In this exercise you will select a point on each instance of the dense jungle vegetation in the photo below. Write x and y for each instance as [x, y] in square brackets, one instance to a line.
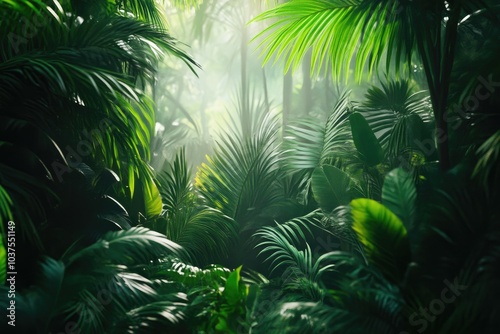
[339, 173]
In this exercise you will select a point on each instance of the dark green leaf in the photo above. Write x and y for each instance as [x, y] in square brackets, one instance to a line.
[365, 141]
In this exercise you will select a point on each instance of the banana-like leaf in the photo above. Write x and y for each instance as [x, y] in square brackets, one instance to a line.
[234, 289]
[384, 237]
[152, 199]
[365, 140]
[399, 195]
[332, 187]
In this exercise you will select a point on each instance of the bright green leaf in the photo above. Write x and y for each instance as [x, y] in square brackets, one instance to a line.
[384, 237]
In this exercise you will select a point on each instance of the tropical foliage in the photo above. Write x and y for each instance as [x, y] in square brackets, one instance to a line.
[375, 211]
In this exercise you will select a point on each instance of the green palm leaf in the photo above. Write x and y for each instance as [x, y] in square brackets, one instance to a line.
[26, 156]
[397, 115]
[239, 179]
[309, 143]
[335, 30]
[103, 288]
[154, 316]
[117, 247]
[146, 10]
[85, 77]
[332, 187]
[303, 269]
[38, 303]
[487, 169]
[112, 269]
[399, 196]
[206, 233]
[384, 237]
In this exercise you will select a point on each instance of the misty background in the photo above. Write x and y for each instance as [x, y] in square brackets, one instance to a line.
[232, 86]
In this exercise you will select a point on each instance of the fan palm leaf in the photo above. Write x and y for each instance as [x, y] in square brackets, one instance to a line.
[369, 31]
[362, 301]
[397, 116]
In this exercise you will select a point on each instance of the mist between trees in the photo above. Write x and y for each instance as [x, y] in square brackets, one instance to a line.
[302, 166]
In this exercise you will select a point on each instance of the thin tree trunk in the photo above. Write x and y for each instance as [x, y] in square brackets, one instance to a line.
[438, 64]
[266, 93]
[287, 98]
[306, 90]
[245, 117]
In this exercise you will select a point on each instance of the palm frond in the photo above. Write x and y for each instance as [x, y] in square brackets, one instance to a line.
[84, 73]
[361, 301]
[399, 195]
[399, 117]
[116, 247]
[303, 268]
[146, 10]
[239, 179]
[336, 31]
[309, 143]
[185, 4]
[206, 233]
[487, 169]
[106, 286]
[26, 160]
[154, 316]
[360, 312]
[38, 303]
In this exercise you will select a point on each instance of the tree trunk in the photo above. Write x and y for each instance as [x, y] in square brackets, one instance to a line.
[306, 90]
[287, 98]
[245, 116]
